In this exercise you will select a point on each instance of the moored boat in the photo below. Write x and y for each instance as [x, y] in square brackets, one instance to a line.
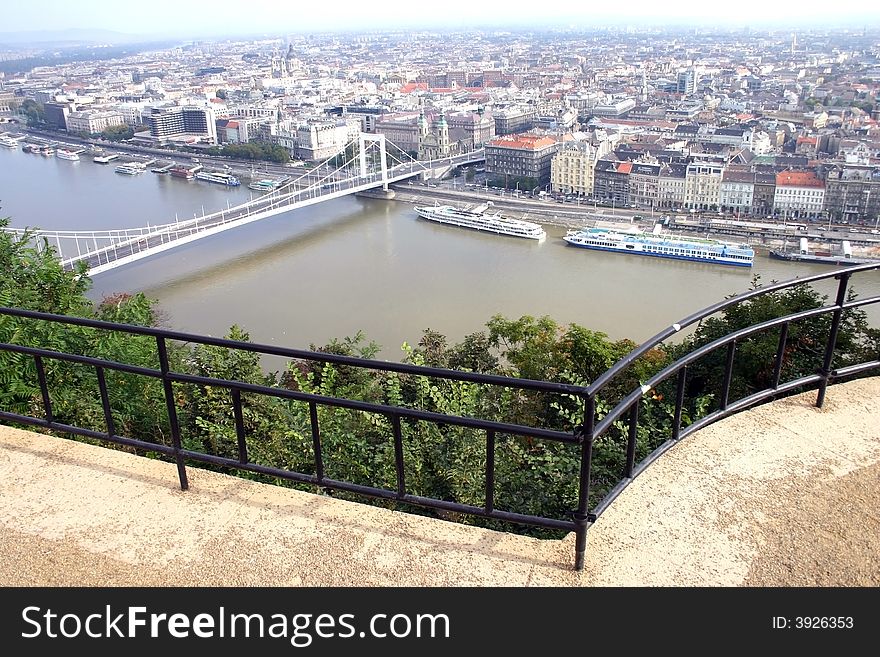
[131, 168]
[844, 258]
[218, 177]
[657, 245]
[479, 219]
[265, 185]
[187, 173]
[64, 154]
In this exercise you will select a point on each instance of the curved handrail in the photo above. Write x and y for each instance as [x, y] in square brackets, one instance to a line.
[607, 376]
[592, 430]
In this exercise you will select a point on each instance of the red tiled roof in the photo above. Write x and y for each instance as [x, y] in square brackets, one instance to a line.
[798, 179]
[409, 87]
[524, 142]
[624, 167]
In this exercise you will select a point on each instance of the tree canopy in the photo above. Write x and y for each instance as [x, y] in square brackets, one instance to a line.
[443, 461]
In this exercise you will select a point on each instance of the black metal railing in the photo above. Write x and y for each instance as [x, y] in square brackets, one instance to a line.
[582, 437]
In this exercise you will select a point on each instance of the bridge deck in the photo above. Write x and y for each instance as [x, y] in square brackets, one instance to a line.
[107, 249]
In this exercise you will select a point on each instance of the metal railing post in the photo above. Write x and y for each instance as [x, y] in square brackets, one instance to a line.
[679, 403]
[239, 426]
[316, 441]
[780, 355]
[172, 412]
[582, 516]
[398, 455]
[44, 390]
[490, 471]
[825, 372]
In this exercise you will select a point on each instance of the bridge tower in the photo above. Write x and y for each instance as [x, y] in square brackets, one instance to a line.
[363, 138]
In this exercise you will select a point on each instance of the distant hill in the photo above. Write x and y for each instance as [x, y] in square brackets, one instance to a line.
[69, 37]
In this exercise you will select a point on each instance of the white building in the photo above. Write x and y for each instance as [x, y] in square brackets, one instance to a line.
[759, 143]
[93, 121]
[133, 113]
[671, 185]
[798, 194]
[737, 191]
[702, 185]
[319, 140]
[183, 122]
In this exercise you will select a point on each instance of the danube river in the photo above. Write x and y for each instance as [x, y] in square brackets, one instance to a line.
[355, 264]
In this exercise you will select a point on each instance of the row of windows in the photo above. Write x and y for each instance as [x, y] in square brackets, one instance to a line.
[798, 192]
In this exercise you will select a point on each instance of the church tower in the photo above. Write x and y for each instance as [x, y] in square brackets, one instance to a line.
[443, 136]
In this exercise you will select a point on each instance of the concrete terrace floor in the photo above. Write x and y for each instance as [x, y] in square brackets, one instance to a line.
[784, 495]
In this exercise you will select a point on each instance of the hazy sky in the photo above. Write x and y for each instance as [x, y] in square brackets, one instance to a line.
[176, 17]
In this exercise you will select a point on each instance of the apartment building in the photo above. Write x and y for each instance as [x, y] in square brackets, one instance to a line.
[524, 155]
[737, 191]
[167, 123]
[852, 193]
[572, 168]
[514, 120]
[478, 127]
[401, 129]
[799, 194]
[611, 182]
[319, 140]
[702, 185]
[93, 121]
[644, 185]
[670, 185]
[763, 192]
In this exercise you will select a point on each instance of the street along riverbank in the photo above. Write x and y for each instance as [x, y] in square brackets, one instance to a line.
[571, 215]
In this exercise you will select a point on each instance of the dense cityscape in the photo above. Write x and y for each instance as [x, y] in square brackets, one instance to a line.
[756, 123]
[336, 266]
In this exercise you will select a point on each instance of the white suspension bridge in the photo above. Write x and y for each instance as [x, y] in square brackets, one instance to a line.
[367, 167]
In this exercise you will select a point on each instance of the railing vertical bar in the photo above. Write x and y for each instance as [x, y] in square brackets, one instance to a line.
[239, 425]
[679, 402]
[728, 374]
[631, 440]
[490, 470]
[105, 401]
[398, 455]
[581, 515]
[172, 411]
[780, 355]
[832, 338]
[44, 389]
[316, 441]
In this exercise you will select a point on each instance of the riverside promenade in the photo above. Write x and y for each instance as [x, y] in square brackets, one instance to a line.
[783, 495]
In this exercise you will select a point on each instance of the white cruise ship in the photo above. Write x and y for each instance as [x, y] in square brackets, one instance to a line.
[662, 246]
[131, 168]
[218, 177]
[65, 154]
[479, 219]
[265, 185]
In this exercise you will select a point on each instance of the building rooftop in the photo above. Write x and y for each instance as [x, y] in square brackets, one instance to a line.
[783, 495]
[523, 142]
[798, 179]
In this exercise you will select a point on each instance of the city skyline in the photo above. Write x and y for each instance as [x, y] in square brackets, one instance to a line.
[221, 18]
